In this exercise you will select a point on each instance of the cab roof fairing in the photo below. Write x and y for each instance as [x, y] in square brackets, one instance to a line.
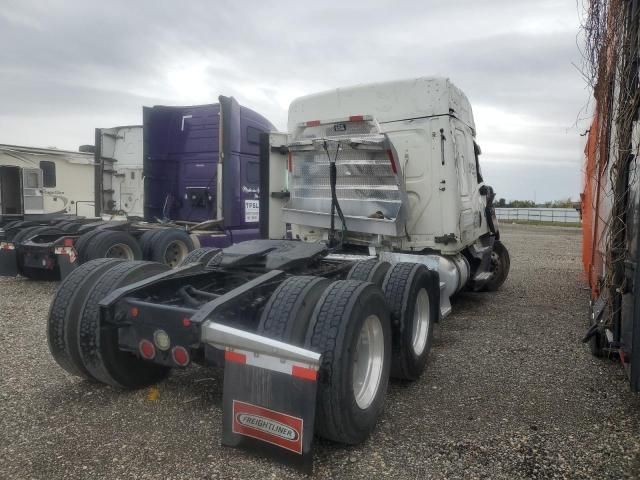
[386, 101]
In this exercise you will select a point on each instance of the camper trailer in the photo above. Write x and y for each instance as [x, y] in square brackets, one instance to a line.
[38, 181]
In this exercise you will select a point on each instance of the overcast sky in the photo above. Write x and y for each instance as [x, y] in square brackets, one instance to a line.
[67, 67]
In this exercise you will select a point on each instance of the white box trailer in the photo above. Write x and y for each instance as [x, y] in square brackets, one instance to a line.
[375, 213]
[118, 152]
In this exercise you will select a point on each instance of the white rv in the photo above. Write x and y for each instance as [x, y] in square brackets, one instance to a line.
[38, 181]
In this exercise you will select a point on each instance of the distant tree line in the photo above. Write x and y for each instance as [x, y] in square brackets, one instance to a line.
[564, 203]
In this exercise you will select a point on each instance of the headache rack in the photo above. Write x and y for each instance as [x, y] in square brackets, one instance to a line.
[369, 186]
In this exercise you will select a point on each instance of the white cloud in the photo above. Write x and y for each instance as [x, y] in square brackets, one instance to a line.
[75, 66]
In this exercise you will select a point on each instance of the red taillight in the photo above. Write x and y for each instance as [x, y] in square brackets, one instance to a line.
[290, 162]
[393, 162]
[134, 312]
[186, 322]
[147, 350]
[313, 123]
[180, 356]
[67, 242]
[356, 118]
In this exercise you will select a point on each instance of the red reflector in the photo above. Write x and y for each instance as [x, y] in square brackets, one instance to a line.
[186, 322]
[290, 162]
[180, 356]
[147, 350]
[393, 162]
[230, 356]
[356, 118]
[306, 373]
[134, 312]
[313, 123]
[68, 242]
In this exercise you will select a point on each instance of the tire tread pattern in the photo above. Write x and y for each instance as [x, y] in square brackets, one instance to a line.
[57, 323]
[89, 331]
[283, 305]
[198, 255]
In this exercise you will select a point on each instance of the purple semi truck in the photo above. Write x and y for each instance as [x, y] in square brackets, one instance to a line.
[200, 182]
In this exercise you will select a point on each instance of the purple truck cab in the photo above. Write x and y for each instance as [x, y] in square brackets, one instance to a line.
[202, 163]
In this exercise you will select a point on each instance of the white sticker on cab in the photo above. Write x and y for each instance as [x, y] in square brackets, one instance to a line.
[251, 210]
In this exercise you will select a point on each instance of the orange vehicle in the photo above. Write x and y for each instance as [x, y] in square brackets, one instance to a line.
[610, 248]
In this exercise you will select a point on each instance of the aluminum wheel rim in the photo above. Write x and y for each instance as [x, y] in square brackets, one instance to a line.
[175, 252]
[368, 360]
[120, 250]
[421, 320]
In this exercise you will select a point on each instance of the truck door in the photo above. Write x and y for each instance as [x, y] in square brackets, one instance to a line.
[464, 158]
[10, 191]
[228, 190]
[32, 190]
[180, 162]
[239, 166]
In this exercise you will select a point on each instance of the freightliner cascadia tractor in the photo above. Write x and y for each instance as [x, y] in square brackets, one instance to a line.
[373, 212]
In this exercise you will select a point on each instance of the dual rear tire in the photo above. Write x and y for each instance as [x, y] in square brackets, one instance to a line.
[77, 339]
[167, 246]
[366, 332]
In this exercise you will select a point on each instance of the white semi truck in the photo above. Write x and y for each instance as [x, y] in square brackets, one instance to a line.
[375, 213]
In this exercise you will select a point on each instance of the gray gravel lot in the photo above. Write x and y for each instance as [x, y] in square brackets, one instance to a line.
[509, 393]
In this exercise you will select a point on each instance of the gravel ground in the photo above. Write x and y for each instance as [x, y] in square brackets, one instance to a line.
[509, 393]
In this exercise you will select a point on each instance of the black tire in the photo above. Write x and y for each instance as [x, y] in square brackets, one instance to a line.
[12, 224]
[64, 312]
[83, 242]
[370, 270]
[199, 255]
[334, 331]
[406, 287]
[170, 246]
[98, 346]
[145, 242]
[69, 227]
[28, 233]
[288, 311]
[215, 261]
[500, 266]
[113, 244]
[17, 228]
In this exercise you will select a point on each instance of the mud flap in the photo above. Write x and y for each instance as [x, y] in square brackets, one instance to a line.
[66, 265]
[267, 411]
[8, 260]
